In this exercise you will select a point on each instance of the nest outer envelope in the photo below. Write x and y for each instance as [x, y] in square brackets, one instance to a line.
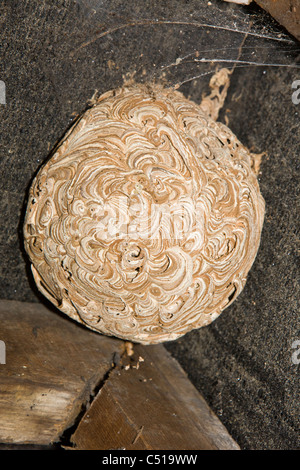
[147, 218]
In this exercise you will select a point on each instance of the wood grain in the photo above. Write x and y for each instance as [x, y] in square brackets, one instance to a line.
[286, 13]
[149, 403]
[63, 384]
[52, 368]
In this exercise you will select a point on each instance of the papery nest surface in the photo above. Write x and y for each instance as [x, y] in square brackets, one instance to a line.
[145, 221]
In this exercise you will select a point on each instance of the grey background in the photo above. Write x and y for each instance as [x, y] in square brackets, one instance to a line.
[56, 54]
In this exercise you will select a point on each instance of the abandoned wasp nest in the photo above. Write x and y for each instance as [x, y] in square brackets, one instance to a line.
[147, 218]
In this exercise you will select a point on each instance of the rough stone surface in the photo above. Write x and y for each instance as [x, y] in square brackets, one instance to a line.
[55, 55]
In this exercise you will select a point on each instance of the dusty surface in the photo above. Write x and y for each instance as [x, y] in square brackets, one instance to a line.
[54, 57]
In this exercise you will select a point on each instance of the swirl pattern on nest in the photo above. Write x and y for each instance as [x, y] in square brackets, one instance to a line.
[147, 218]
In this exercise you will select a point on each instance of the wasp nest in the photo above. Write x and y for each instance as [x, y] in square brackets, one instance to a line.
[147, 218]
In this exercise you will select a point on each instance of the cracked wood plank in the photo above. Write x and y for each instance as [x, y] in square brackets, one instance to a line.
[147, 402]
[53, 367]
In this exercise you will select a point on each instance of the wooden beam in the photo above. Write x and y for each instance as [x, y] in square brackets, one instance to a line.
[287, 13]
[149, 403]
[63, 384]
[52, 369]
